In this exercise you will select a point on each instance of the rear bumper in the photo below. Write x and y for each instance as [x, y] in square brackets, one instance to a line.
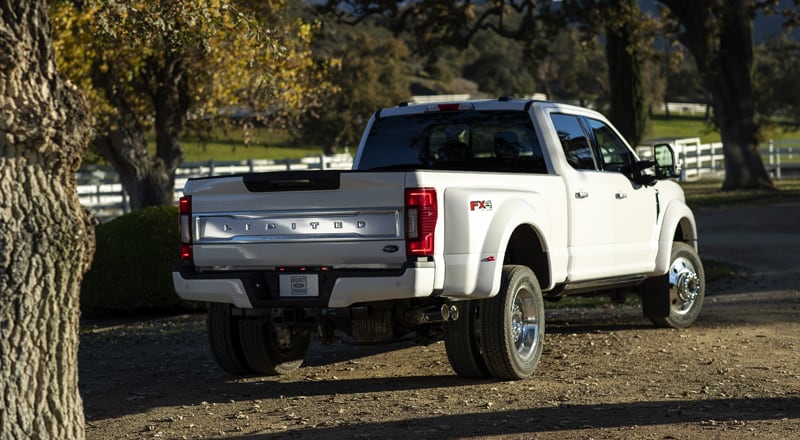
[337, 288]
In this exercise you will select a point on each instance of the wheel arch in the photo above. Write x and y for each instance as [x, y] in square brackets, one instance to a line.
[527, 247]
[678, 225]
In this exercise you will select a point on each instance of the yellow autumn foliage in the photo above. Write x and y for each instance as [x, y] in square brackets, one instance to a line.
[235, 58]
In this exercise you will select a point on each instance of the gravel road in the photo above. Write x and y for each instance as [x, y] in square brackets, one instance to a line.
[763, 240]
[606, 373]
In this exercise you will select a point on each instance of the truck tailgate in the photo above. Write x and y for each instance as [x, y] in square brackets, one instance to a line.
[294, 219]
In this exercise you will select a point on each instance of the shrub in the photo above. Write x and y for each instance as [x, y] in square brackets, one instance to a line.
[132, 268]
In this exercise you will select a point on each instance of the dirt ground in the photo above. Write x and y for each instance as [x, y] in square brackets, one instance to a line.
[605, 373]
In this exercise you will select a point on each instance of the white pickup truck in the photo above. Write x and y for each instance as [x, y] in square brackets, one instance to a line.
[457, 219]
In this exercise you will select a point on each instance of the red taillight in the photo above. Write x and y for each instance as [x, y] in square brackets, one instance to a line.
[421, 216]
[185, 227]
[186, 252]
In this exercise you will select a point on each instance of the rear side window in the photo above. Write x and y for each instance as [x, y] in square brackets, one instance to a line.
[470, 140]
[590, 144]
[574, 141]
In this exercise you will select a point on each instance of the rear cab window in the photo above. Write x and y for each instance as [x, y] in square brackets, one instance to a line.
[471, 140]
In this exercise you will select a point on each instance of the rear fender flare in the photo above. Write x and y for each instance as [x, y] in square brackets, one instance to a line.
[512, 215]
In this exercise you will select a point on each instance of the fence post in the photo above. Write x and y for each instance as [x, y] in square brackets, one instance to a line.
[288, 164]
[250, 164]
[125, 204]
[211, 167]
[322, 162]
[683, 163]
[771, 152]
[778, 166]
[698, 154]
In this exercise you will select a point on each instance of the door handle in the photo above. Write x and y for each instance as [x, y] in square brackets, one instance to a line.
[581, 195]
[621, 196]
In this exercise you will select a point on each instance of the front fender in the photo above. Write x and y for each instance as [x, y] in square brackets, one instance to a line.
[677, 215]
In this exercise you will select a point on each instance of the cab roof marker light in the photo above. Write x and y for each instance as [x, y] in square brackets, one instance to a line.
[450, 107]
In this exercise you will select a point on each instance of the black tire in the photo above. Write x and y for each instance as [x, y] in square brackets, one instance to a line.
[272, 350]
[513, 325]
[462, 341]
[223, 336]
[676, 298]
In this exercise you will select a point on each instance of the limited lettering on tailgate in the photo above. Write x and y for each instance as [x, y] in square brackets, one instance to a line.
[256, 227]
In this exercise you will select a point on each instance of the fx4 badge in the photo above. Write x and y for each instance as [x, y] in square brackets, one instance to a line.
[480, 205]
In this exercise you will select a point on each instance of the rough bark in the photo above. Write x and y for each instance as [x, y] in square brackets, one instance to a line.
[46, 238]
[719, 35]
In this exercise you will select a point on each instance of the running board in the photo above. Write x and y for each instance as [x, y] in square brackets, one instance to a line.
[603, 284]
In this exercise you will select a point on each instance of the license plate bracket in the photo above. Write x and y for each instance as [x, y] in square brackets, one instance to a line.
[299, 285]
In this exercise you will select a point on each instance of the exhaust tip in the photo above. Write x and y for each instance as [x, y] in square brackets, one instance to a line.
[454, 314]
[445, 311]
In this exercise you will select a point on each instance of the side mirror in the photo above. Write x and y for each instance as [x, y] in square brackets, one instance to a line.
[641, 176]
[664, 157]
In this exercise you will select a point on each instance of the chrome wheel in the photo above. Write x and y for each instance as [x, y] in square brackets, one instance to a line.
[684, 285]
[524, 323]
[676, 298]
[512, 325]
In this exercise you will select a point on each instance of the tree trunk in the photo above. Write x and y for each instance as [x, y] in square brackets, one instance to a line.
[46, 237]
[719, 34]
[625, 83]
[734, 104]
[143, 176]
[171, 104]
[148, 179]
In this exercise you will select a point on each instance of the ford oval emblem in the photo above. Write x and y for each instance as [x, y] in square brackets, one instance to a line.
[390, 248]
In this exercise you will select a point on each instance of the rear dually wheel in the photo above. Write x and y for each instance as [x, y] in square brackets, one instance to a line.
[223, 337]
[513, 325]
[273, 349]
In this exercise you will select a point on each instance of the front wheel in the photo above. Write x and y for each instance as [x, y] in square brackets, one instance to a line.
[675, 299]
[513, 325]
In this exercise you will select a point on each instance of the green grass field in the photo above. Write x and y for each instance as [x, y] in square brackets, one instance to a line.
[223, 145]
[679, 127]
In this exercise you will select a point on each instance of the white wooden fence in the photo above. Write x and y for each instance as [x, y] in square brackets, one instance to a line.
[100, 190]
[696, 160]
